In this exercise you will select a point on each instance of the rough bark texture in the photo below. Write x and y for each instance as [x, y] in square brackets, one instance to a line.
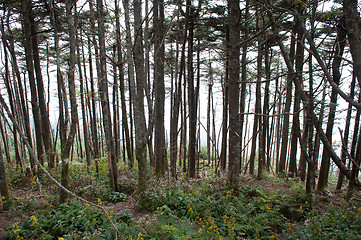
[65, 151]
[4, 190]
[122, 91]
[233, 103]
[159, 131]
[296, 105]
[139, 116]
[286, 111]
[26, 8]
[104, 97]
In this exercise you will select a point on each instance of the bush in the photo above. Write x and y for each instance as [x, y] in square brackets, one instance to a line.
[71, 221]
[337, 223]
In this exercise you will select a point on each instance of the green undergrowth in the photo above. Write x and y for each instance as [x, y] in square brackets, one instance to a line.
[183, 209]
[73, 220]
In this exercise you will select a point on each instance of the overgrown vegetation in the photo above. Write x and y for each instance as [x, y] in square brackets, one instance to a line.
[198, 209]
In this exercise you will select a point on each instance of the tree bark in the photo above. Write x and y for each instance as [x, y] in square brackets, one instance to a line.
[44, 114]
[26, 8]
[65, 151]
[122, 90]
[159, 131]
[325, 163]
[233, 101]
[4, 190]
[139, 115]
[286, 110]
[104, 97]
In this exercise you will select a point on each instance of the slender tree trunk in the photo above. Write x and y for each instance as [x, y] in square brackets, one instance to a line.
[139, 115]
[122, 91]
[24, 107]
[11, 97]
[192, 105]
[65, 151]
[5, 140]
[94, 127]
[4, 190]
[159, 131]
[266, 108]
[295, 132]
[83, 107]
[93, 108]
[116, 116]
[44, 114]
[352, 28]
[286, 111]
[31, 77]
[233, 101]
[225, 91]
[346, 133]
[104, 96]
[325, 163]
[130, 63]
[244, 80]
[210, 84]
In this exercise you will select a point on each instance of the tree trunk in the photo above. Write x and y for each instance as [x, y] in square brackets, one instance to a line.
[225, 90]
[104, 97]
[44, 114]
[346, 133]
[295, 132]
[243, 82]
[122, 91]
[233, 101]
[286, 110]
[65, 151]
[14, 110]
[83, 109]
[258, 107]
[325, 163]
[24, 106]
[4, 190]
[139, 116]
[159, 131]
[31, 77]
[131, 79]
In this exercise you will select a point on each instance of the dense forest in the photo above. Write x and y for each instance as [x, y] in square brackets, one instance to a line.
[159, 119]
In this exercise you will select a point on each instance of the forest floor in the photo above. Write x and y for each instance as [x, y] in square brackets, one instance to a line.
[271, 208]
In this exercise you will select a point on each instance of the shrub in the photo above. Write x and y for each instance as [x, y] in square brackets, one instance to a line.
[337, 223]
[71, 221]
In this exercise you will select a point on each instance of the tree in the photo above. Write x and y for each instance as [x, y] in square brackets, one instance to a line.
[325, 163]
[26, 12]
[139, 116]
[67, 145]
[159, 134]
[192, 105]
[104, 97]
[4, 190]
[233, 102]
